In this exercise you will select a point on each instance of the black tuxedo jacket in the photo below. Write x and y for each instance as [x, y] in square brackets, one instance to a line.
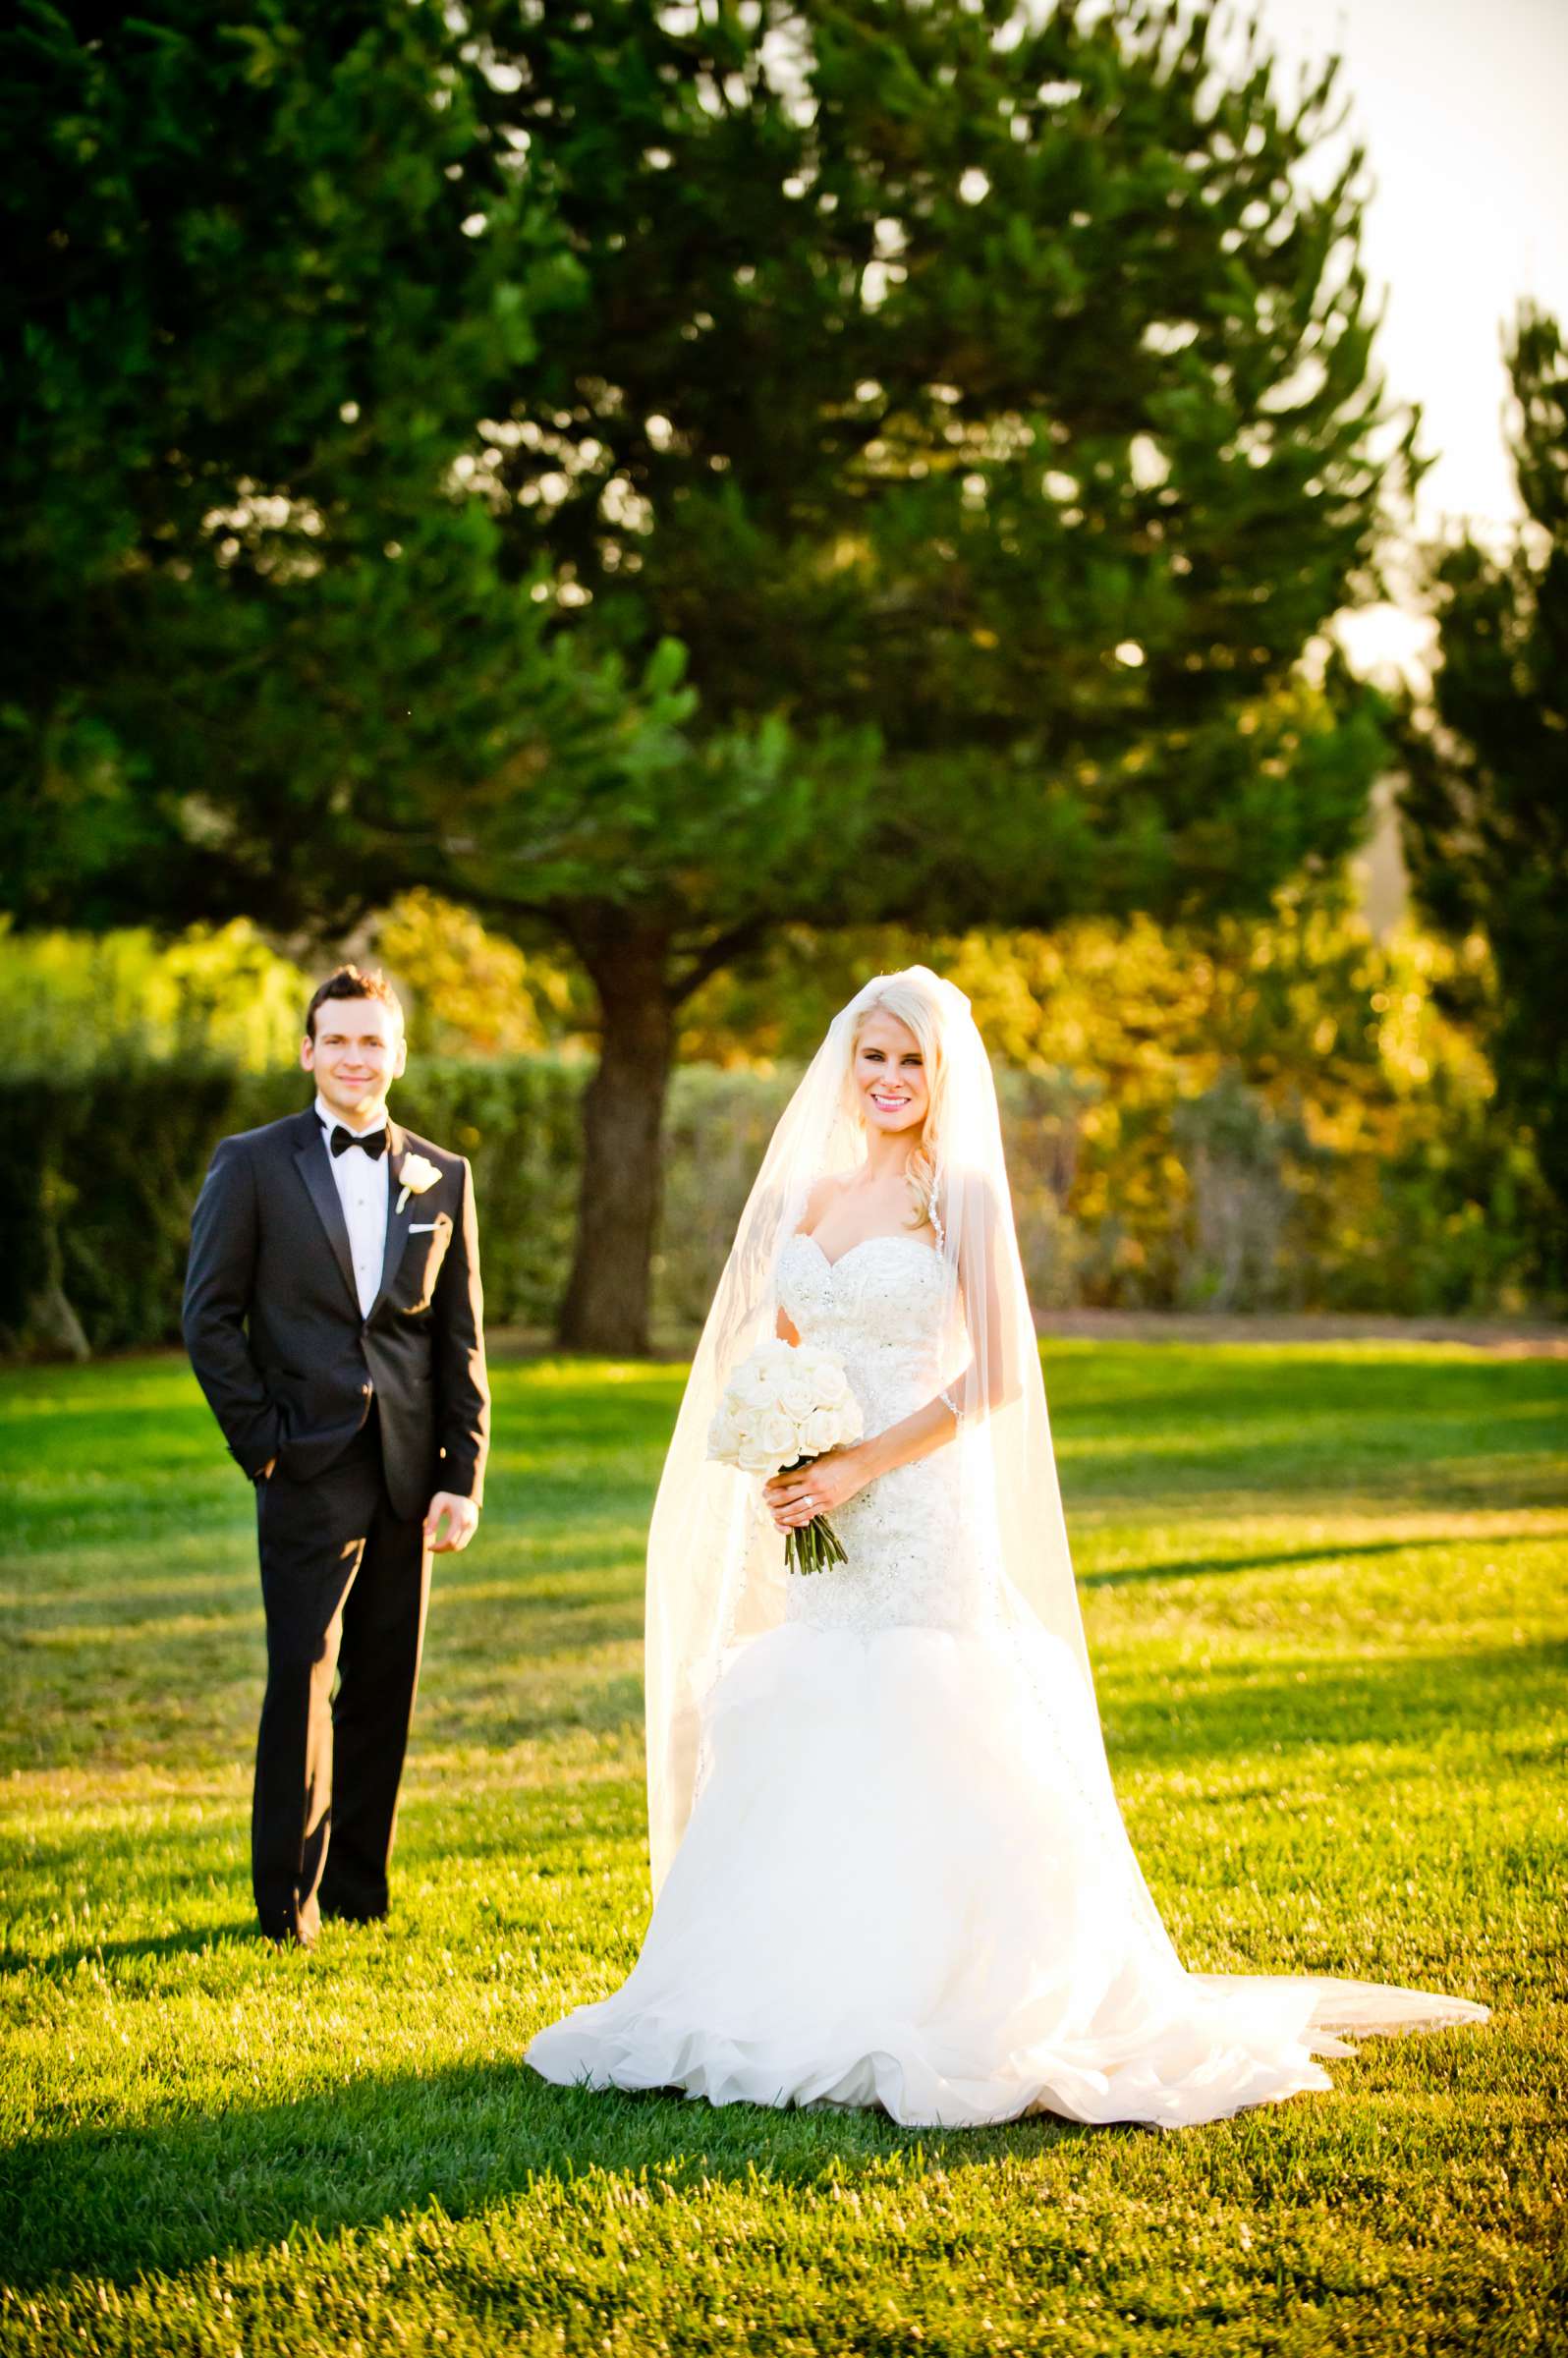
[273, 1326]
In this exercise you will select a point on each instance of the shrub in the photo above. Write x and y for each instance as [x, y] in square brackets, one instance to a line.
[1235, 1196]
[95, 1225]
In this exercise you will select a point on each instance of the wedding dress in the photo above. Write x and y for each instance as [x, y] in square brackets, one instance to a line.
[889, 1864]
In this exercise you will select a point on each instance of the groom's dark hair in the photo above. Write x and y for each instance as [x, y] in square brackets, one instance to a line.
[353, 983]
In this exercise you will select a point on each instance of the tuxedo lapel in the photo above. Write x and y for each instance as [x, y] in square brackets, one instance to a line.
[311, 1160]
[397, 1222]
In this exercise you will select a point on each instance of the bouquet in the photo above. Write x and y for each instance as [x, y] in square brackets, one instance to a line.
[781, 1408]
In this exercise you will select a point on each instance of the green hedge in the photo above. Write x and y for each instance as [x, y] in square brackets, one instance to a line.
[96, 1220]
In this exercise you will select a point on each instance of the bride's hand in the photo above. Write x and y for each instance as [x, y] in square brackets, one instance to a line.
[816, 1489]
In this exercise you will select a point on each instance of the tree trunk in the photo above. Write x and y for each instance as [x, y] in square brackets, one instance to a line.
[606, 1305]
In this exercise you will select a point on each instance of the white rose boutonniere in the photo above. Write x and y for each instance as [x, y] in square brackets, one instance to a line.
[414, 1177]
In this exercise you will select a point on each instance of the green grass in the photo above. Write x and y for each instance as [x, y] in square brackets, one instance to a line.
[1324, 1590]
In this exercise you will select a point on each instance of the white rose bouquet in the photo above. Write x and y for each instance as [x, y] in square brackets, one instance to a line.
[782, 1407]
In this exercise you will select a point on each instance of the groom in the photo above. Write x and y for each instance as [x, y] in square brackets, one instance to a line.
[334, 1320]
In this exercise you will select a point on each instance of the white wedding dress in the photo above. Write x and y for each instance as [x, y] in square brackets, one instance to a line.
[896, 1887]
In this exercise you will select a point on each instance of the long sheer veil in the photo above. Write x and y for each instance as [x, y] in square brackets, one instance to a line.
[715, 1565]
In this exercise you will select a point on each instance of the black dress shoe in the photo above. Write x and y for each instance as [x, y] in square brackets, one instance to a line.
[294, 1937]
[352, 1911]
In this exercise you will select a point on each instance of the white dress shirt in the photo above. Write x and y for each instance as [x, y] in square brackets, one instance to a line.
[362, 1182]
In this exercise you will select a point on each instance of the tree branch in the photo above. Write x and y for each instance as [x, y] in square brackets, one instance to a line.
[719, 951]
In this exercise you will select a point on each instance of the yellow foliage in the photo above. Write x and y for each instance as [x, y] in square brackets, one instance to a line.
[73, 1000]
[469, 993]
[1340, 1039]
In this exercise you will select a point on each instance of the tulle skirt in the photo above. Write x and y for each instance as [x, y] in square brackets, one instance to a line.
[895, 1891]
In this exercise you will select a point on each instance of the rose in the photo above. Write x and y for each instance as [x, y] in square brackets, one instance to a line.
[785, 1404]
[754, 1385]
[415, 1175]
[723, 1440]
[776, 1435]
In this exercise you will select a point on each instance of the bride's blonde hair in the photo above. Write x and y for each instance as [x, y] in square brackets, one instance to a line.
[915, 1004]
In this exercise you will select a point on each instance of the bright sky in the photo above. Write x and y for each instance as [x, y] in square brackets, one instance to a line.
[1462, 106]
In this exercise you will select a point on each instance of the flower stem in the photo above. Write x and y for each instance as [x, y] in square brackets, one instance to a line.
[814, 1546]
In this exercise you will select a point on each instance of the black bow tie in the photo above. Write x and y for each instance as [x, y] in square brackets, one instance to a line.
[374, 1141]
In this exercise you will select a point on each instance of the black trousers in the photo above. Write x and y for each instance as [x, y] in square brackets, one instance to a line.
[345, 1582]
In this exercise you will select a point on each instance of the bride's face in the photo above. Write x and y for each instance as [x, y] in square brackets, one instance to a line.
[891, 1083]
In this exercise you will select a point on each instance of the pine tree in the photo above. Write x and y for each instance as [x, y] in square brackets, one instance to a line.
[1484, 808]
[884, 462]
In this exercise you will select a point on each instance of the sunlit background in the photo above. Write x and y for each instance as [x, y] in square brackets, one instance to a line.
[1460, 107]
[579, 640]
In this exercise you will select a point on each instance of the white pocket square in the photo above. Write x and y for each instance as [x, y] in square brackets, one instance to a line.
[423, 1227]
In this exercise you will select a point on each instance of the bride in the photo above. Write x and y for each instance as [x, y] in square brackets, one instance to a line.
[888, 1861]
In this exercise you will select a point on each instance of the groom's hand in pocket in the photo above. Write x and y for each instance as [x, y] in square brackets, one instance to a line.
[462, 1522]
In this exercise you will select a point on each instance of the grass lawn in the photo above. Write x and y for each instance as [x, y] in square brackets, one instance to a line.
[1323, 1588]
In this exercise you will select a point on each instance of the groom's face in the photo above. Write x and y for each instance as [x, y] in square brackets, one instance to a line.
[358, 1053]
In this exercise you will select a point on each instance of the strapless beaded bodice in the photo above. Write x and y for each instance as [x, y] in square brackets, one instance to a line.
[883, 1307]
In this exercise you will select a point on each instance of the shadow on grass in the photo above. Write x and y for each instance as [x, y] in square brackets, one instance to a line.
[174, 2192]
[1110, 1390]
[1352, 1424]
[561, 1594]
[1414, 1699]
[1190, 1568]
[62, 1963]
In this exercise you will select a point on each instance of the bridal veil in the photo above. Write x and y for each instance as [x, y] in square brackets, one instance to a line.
[715, 1566]
[1156, 2041]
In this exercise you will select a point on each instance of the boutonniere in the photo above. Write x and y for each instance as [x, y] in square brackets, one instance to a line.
[414, 1177]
